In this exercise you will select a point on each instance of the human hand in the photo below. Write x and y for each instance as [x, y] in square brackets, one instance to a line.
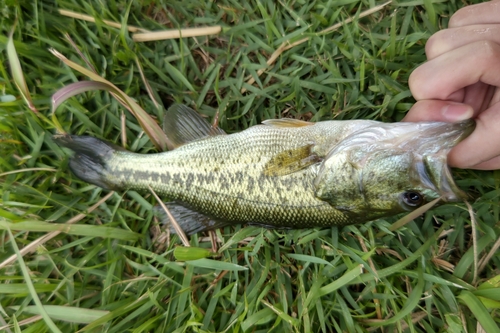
[461, 80]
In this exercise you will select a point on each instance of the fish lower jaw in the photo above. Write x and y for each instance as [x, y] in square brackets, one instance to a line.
[432, 172]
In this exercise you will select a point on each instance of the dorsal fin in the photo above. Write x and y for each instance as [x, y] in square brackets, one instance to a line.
[286, 122]
[291, 160]
[182, 125]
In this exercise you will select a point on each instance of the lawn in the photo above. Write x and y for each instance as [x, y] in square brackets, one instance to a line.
[74, 257]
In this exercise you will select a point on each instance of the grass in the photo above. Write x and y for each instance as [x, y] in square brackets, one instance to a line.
[91, 261]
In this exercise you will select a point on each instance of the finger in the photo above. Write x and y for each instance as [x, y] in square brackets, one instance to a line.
[483, 13]
[493, 164]
[478, 95]
[440, 77]
[449, 39]
[482, 145]
[437, 110]
[491, 96]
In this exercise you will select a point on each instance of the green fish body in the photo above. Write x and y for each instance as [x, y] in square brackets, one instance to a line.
[283, 174]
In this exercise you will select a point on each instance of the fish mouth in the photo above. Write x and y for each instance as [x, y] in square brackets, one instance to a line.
[435, 174]
[467, 127]
[437, 137]
[432, 166]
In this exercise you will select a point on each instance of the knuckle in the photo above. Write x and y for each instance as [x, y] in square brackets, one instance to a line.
[489, 50]
[414, 82]
[461, 16]
[455, 19]
[435, 43]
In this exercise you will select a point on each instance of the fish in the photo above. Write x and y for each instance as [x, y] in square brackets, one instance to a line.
[283, 173]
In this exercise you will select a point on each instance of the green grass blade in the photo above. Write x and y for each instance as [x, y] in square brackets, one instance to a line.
[342, 281]
[183, 253]
[71, 229]
[27, 278]
[479, 310]
[17, 72]
[67, 313]
[215, 265]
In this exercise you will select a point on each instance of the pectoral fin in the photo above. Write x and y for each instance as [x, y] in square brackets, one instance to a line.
[290, 161]
[189, 220]
[182, 125]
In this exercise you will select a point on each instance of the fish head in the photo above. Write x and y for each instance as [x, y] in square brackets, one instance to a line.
[386, 169]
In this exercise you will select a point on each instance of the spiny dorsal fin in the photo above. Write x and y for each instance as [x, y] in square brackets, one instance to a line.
[290, 161]
[182, 125]
[286, 122]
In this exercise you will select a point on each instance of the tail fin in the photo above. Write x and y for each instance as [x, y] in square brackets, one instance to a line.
[89, 161]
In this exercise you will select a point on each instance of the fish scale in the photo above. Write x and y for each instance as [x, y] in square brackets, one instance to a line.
[223, 177]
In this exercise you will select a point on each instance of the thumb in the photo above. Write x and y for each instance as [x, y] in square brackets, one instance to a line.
[438, 110]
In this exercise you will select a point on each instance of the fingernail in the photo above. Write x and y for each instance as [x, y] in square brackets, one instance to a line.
[457, 112]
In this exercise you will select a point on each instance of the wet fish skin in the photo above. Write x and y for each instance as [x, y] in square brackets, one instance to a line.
[346, 172]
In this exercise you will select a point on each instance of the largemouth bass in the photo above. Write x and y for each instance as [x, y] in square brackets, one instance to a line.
[284, 173]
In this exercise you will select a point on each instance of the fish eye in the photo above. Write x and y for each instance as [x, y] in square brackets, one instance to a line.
[412, 198]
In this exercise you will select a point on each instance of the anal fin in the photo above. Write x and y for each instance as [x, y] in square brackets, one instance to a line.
[190, 221]
[291, 160]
